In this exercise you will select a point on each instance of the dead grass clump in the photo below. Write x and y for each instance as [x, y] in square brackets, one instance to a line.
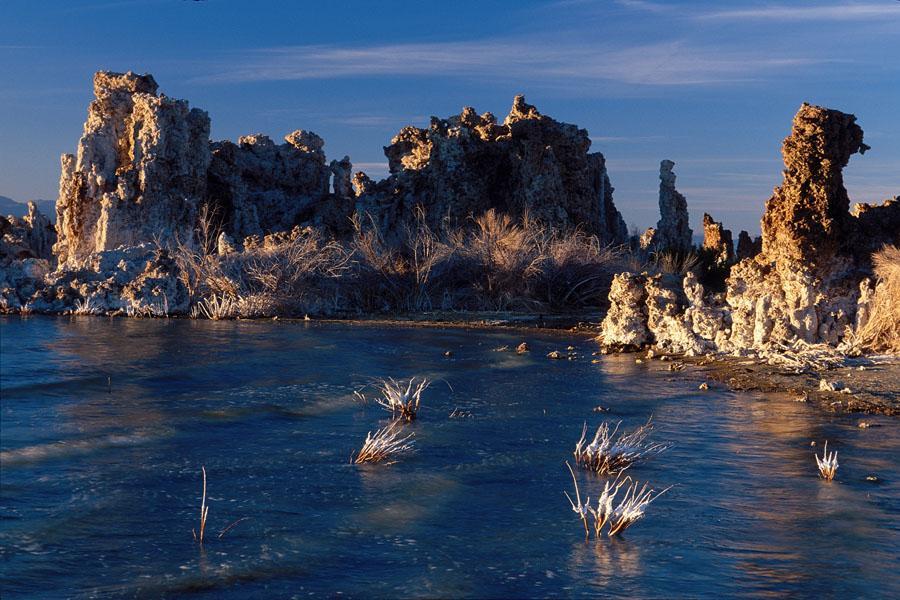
[828, 464]
[674, 262]
[384, 444]
[881, 330]
[402, 403]
[608, 454]
[618, 517]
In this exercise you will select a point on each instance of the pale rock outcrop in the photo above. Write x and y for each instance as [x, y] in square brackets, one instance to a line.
[808, 282]
[673, 230]
[717, 240]
[666, 318]
[141, 280]
[467, 164]
[804, 284]
[139, 174]
[625, 324]
[710, 320]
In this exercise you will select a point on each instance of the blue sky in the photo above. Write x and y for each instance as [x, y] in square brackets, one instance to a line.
[710, 85]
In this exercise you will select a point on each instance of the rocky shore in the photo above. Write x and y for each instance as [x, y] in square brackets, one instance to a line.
[155, 219]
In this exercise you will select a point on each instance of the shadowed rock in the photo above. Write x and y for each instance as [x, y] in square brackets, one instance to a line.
[748, 247]
[672, 231]
[464, 165]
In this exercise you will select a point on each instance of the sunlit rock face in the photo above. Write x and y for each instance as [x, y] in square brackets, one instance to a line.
[804, 284]
[139, 174]
[717, 240]
[625, 324]
[808, 281]
[807, 218]
[673, 231]
[467, 164]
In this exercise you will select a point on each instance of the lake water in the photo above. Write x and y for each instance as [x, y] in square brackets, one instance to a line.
[106, 423]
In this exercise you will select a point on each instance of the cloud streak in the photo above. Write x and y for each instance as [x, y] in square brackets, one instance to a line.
[674, 63]
[821, 12]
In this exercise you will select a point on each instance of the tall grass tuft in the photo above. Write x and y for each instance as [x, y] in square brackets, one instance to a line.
[881, 331]
[204, 511]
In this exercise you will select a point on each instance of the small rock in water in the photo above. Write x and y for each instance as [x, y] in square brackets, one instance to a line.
[861, 368]
[570, 348]
[863, 425]
[594, 361]
[833, 386]
[812, 443]
[448, 354]
[600, 409]
[555, 355]
[872, 478]
[704, 386]
[638, 361]
[522, 348]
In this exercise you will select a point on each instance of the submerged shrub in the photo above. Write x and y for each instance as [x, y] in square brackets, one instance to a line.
[384, 444]
[828, 464]
[608, 454]
[617, 518]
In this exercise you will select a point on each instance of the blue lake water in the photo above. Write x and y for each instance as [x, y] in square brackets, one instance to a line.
[106, 423]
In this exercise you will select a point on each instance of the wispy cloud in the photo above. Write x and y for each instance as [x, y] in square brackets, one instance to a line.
[625, 139]
[816, 12]
[661, 64]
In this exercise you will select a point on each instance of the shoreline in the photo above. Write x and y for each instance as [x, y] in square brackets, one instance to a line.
[868, 378]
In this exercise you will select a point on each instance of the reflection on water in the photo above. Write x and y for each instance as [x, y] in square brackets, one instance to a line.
[105, 423]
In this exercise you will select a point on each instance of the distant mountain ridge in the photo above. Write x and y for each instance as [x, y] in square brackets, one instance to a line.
[8, 206]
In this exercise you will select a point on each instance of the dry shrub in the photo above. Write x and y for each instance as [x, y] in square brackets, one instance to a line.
[881, 330]
[492, 264]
